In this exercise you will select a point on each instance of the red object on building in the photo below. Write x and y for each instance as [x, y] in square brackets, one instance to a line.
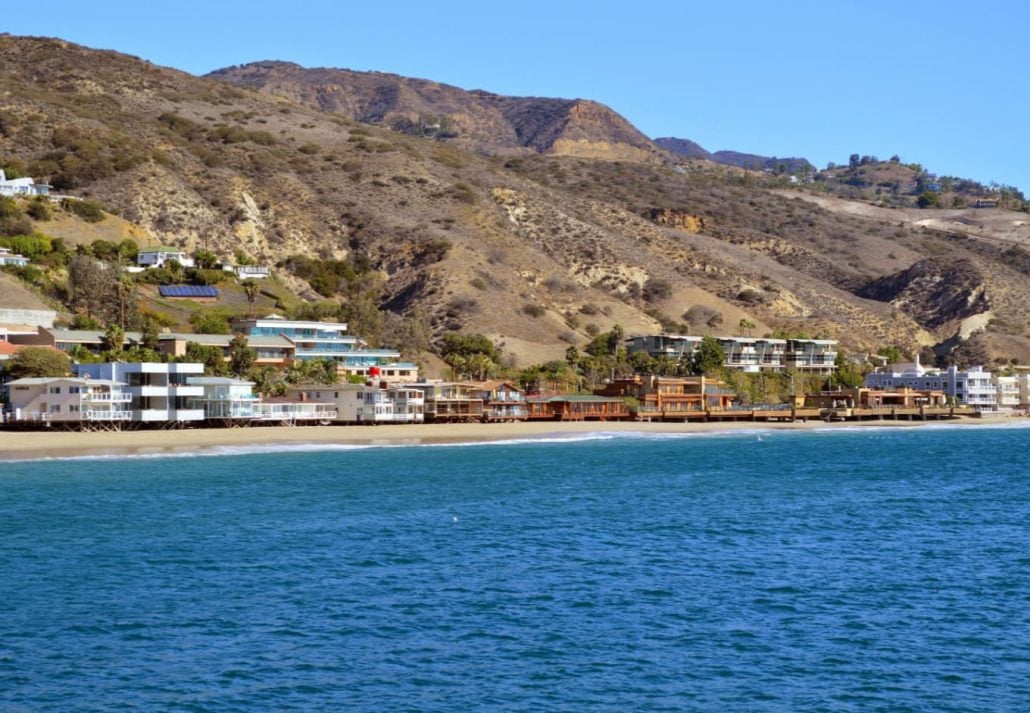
[373, 371]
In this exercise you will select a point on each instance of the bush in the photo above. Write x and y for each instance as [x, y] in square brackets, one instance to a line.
[87, 210]
[533, 310]
[656, 290]
[39, 209]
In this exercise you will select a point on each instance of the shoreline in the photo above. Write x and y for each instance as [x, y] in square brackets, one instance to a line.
[39, 445]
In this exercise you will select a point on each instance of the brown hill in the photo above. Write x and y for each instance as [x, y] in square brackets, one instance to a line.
[474, 120]
[538, 251]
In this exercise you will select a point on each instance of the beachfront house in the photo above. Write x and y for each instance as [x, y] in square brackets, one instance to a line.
[1006, 389]
[972, 387]
[68, 339]
[669, 397]
[577, 407]
[224, 398]
[160, 256]
[161, 393]
[365, 403]
[67, 401]
[502, 401]
[449, 401]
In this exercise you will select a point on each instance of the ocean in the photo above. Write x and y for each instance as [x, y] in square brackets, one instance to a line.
[863, 570]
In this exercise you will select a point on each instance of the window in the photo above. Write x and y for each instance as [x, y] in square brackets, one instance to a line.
[55, 408]
[73, 408]
[55, 389]
[74, 389]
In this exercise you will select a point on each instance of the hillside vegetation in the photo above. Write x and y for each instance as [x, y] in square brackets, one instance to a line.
[580, 225]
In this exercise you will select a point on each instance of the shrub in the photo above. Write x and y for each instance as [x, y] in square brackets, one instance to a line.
[39, 209]
[533, 310]
[656, 290]
[87, 210]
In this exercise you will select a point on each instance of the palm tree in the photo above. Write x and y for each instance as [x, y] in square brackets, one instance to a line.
[250, 289]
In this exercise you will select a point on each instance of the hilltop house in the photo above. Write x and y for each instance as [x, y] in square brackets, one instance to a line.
[21, 186]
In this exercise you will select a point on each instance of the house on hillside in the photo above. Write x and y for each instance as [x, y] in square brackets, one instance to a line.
[21, 186]
[248, 272]
[159, 256]
[11, 259]
[329, 340]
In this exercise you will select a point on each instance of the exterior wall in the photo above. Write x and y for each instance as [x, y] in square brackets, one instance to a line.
[30, 317]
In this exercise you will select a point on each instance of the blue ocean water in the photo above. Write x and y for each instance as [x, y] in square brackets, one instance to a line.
[878, 570]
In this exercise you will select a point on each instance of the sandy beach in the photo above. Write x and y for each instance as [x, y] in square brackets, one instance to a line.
[19, 445]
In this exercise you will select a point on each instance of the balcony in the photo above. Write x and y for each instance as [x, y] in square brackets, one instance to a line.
[117, 397]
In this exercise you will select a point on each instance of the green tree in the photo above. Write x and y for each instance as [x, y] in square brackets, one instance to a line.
[746, 325]
[928, 199]
[205, 259]
[709, 357]
[113, 342]
[241, 356]
[37, 362]
[211, 357]
[210, 322]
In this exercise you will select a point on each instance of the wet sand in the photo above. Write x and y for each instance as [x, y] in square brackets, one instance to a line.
[30, 445]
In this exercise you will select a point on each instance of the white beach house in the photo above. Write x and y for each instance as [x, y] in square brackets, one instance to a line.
[161, 393]
[86, 403]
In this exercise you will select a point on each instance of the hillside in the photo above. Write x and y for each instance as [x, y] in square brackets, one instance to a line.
[474, 120]
[539, 251]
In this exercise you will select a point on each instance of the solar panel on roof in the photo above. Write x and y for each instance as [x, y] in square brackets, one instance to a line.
[188, 291]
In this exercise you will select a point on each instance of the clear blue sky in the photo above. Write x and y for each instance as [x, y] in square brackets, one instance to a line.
[943, 83]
